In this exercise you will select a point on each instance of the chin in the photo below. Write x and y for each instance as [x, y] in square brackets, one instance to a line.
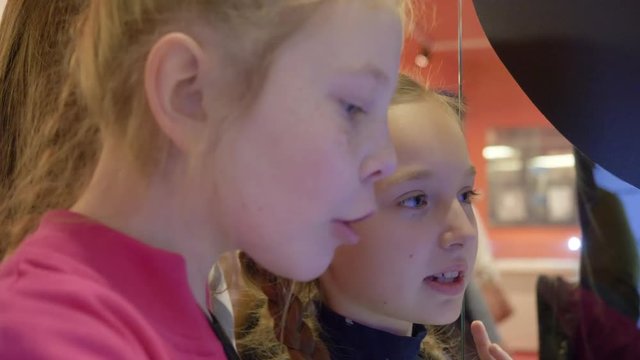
[305, 270]
[444, 319]
[298, 268]
[443, 314]
[292, 258]
[310, 263]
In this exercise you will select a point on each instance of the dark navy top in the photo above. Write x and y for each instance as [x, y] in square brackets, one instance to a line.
[349, 340]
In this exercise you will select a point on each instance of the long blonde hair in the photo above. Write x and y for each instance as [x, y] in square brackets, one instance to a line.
[277, 317]
[34, 38]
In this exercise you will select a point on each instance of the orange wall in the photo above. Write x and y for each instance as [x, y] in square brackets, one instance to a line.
[494, 100]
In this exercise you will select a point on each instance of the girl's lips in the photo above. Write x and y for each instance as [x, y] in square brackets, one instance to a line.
[451, 287]
[450, 280]
[362, 218]
[342, 231]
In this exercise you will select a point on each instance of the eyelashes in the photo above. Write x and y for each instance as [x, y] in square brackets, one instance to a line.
[469, 197]
[421, 200]
[418, 201]
[352, 110]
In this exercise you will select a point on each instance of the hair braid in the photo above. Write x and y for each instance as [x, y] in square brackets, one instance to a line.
[290, 316]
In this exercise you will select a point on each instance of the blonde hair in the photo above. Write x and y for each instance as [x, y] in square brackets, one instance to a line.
[34, 37]
[277, 317]
[103, 93]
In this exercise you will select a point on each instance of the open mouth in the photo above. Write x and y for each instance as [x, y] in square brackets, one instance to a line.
[450, 283]
[447, 277]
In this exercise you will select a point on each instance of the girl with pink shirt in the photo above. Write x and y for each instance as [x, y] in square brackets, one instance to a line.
[222, 125]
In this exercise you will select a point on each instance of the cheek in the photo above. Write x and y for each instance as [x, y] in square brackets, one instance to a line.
[295, 151]
[299, 144]
[398, 235]
[312, 163]
[317, 170]
[399, 248]
[389, 256]
[365, 275]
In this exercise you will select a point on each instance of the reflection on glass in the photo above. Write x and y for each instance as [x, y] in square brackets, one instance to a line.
[531, 177]
[597, 317]
[576, 210]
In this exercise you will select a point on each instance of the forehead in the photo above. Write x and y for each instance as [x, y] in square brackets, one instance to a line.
[348, 36]
[427, 134]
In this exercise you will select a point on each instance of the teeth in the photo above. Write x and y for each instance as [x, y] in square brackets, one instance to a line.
[447, 277]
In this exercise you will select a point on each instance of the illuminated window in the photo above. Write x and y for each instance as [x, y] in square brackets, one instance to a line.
[531, 177]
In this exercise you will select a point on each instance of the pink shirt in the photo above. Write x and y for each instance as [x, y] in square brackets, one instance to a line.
[79, 290]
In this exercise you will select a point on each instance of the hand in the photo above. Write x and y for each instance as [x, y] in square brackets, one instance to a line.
[486, 349]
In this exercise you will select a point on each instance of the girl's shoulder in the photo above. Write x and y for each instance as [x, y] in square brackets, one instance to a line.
[48, 313]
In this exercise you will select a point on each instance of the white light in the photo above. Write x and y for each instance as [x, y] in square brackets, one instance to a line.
[574, 243]
[498, 152]
[553, 161]
[422, 61]
[505, 165]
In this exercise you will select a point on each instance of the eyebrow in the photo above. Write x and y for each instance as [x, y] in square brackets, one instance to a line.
[405, 176]
[416, 174]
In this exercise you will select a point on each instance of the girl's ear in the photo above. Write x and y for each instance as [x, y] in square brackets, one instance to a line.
[174, 89]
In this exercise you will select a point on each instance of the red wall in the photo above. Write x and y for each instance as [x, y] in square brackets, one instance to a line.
[494, 100]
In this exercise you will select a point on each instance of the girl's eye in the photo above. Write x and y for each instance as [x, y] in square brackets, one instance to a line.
[415, 202]
[352, 110]
[468, 197]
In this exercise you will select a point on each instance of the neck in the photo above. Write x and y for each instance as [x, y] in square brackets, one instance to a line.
[153, 212]
[341, 304]
[349, 339]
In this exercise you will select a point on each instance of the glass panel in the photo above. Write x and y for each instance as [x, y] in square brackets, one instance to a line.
[564, 276]
[531, 177]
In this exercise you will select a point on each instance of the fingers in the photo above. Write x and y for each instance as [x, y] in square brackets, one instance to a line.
[486, 349]
[498, 353]
[481, 338]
